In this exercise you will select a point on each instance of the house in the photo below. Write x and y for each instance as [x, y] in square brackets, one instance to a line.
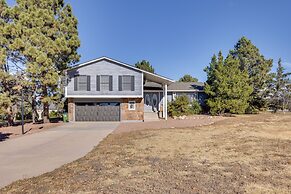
[193, 90]
[105, 89]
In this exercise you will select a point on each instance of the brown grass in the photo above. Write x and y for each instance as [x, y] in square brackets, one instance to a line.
[244, 154]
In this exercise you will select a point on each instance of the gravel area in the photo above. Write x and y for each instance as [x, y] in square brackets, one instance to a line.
[191, 121]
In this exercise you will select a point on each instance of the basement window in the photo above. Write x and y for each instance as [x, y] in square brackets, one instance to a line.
[131, 105]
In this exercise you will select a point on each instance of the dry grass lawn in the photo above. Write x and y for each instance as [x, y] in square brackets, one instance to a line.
[243, 154]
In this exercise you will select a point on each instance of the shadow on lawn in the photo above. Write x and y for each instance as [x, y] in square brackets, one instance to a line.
[4, 136]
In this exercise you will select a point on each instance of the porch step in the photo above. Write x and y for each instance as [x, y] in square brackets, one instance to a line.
[151, 116]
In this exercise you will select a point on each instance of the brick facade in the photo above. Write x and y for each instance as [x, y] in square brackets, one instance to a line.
[71, 109]
[137, 114]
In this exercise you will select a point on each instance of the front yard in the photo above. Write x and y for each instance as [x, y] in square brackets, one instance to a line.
[243, 154]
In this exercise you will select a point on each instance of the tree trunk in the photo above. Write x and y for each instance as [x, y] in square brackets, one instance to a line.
[33, 109]
[10, 118]
[45, 112]
[45, 107]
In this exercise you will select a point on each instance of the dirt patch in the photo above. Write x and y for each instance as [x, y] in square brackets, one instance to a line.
[29, 128]
[245, 154]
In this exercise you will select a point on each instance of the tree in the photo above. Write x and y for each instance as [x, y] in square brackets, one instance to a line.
[188, 78]
[279, 91]
[288, 96]
[9, 81]
[227, 86]
[258, 69]
[46, 39]
[145, 65]
[210, 70]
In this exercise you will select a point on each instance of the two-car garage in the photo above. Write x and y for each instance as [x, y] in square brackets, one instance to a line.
[97, 111]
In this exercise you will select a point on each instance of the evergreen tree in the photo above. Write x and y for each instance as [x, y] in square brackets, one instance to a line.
[188, 78]
[46, 38]
[227, 86]
[279, 91]
[5, 102]
[211, 68]
[9, 82]
[145, 65]
[258, 69]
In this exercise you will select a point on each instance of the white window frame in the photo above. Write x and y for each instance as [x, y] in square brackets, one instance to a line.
[131, 103]
[79, 83]
[102, 83]
[126, 84]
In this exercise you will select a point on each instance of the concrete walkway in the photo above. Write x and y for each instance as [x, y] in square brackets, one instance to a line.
[42, 152]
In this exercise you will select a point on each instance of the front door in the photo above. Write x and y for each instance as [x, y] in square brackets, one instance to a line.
[151, 101]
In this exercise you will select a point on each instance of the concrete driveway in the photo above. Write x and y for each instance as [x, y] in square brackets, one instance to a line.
[42, 152]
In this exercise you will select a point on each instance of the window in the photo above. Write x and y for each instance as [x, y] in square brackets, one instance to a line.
[131, 105]
[126, 83]
[104, 83]
[82, 83]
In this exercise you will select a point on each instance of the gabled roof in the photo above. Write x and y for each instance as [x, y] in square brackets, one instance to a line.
[186, 86]
[149, 75]
[179, 86]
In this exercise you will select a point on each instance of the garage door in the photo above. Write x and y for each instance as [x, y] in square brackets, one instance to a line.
[104, 111]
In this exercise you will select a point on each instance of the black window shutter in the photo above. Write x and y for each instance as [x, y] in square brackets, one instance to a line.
[132, 83]
[120, 83]
[88, 83]
[98, 82]
[76, 83]
[110, 83]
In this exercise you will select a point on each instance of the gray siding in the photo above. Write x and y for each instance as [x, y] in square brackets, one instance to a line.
[191, 95]
[170, 96]
[105, 67]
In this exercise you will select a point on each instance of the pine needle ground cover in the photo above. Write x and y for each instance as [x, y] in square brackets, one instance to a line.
[243, 154]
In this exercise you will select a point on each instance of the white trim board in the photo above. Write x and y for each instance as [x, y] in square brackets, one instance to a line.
[102, 96]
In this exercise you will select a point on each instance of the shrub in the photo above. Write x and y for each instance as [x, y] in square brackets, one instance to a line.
[195, 107]
[180, 106]
[18, 116]
[54, 114]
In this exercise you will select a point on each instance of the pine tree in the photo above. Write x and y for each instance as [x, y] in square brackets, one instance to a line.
[227, 86]
[279, 89]
[9, 82]
[258, 69]
[46, 38]
[145, 65]
[5, 102]
[188, 78]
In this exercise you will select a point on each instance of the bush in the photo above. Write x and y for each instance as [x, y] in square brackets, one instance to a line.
[54, 114]
[251, 110]
[195, 107]
[182, 106]
[18, 116]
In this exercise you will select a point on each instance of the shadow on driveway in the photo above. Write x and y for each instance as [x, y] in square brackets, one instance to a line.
[4, 136]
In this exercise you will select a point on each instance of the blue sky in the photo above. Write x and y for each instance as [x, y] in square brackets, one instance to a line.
[179, 37]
